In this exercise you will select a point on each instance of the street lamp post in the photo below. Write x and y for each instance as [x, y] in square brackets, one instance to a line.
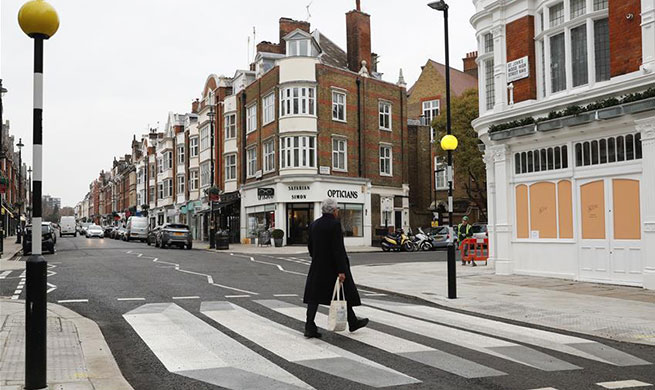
[212, 222]
[29, 194]
[20, 189]
[448, 143]
[2, 155]
[39, 21]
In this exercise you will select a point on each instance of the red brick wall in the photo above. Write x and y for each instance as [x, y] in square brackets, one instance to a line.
[520, 43]
[358, 33]
[288, 25]
[625, 36]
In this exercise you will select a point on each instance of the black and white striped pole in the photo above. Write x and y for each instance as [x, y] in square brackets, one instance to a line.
[39, 21]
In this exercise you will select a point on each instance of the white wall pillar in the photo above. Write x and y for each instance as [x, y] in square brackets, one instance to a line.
[648, 35]
[491, 204]
[647, 129]
[502, 215]
[500, 74]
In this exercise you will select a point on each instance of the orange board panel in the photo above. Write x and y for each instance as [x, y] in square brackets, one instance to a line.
[543, 209]
[522, 230]
[627, 219]
[592, 210]
[565, 209]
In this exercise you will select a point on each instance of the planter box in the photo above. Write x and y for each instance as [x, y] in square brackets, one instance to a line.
[549, 125]
[610, 112]
[521, 131]
[580, 119]
[500, 135]
[639, 106]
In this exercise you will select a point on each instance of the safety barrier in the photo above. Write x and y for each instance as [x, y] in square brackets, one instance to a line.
[475, 249]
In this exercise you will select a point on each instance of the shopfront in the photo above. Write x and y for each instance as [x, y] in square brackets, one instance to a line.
[293, 204]
[227, 212]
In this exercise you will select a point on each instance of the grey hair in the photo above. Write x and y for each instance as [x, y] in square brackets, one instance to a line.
[329, 206]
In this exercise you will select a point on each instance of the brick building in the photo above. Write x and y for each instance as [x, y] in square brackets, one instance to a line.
[568, 121]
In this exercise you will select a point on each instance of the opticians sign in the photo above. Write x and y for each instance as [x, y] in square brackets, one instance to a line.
[518, 69]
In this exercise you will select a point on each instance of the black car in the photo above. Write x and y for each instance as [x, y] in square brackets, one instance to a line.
[48, 238]
[107, 229]
[151, 238]
[174, 234]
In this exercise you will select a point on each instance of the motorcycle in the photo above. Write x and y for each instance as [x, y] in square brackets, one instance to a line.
[397, 241]
[424, 241]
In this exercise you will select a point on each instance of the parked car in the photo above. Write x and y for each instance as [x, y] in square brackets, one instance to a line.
[48, 238]
[479, 230]
[120, 233]
[95, 231]
[137, 229]
[83, 227]
[174, 234]
[67, 226]
[151, 239]
[107, 230]
[440, 236]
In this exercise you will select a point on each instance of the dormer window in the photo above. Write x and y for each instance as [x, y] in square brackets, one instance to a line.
[300, 43]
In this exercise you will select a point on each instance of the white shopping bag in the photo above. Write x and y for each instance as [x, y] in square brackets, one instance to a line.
[338, 316]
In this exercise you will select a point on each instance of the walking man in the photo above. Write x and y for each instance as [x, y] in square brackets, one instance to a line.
[464, 232]
[329, 262]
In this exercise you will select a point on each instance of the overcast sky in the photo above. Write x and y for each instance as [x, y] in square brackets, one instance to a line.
[115, 67]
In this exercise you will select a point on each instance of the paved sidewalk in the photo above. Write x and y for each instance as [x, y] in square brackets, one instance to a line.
[78, 356]
[614, 312]
[272, 250]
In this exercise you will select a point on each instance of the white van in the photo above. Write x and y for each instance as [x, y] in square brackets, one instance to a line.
[67, 226]
[137, 229]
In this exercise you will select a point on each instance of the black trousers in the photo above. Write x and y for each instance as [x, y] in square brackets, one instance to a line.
[311, 315]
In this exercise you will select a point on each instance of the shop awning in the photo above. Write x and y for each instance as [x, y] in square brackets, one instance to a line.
[220, 205]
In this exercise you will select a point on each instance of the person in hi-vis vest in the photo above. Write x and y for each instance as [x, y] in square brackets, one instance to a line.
[464, 232]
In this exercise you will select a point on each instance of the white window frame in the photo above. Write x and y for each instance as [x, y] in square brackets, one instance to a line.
[304, 149]
[384, 157]
[268, 154]
[181, 182]
[293, 47]
[302, 98]
[168, 160]
[205, 174]
[194, 146]
[230, 167]
[268, 108]
[160, 164]
[428, 108]
[168, 188]
[205, 139]
[181, 154]
[440, 173]
[251, 118]
[384, 110]
[160, 191]
[339, 99]
[341, 150]
[194, 180]
[230, 126]
[251, 162]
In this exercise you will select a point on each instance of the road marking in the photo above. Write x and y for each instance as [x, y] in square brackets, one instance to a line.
[51, 289]
[477, 342]
[292, 346]
[545, 388]
[139, 255]
[190, 297]
[4, 274]
[15, 297]
[130, 299]
[396, 345]
[550, 340]
[73, 301]
[188, 346]
[279, 267]
[629, 384]
[285, 295]
[375, 295]
[237, 296]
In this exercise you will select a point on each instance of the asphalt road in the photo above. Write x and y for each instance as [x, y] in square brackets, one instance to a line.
[163, 314]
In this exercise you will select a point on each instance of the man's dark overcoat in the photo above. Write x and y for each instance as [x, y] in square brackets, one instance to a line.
[329, 259]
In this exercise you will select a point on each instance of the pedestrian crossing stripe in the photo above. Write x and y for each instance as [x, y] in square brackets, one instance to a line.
[473, 341]
[396, 345]
[293, 347]
[188, 346]
[571, 345]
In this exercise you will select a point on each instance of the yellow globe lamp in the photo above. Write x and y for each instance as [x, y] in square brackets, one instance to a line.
[449, 142]
[38, 18]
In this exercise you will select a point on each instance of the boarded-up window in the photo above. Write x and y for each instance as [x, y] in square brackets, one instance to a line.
[565, 209]
[543, 209]
[592, 209]
[522, 211]
[627, 221]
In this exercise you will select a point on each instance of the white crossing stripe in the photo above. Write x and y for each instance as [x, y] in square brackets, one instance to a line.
[130, 299]
[285, 295]
[73, 301]
[550, 340]
[629, 384]
[545, 388]
[292, 346]
[4, 274]
[485, 344]
[237, 296]
[191, 297]
[188, 346]
[392, 344]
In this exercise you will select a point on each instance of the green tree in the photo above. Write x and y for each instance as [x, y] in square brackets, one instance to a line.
[470, 171]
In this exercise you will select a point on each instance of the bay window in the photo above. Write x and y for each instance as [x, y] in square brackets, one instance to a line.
[298, 152]
[579, 55]
[193, 146]
[180, 154]
[269, 156]
[204, 138]
[230, 167]
[180, 184]
[298, 101]
[205, 174]
[251, 157]
[230, 126]
[268, 104]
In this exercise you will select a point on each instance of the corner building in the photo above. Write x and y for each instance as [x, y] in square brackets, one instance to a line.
[311, 121]
[567, 114]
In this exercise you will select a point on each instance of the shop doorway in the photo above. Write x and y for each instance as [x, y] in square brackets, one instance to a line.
[300, 215]
[610, 249]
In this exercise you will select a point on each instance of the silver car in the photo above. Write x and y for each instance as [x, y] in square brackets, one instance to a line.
[174, 234]
[95, 231]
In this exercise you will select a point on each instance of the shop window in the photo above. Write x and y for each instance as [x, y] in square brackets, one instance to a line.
[541, 160]
[544, 210]
[608, 150]
[352, 219]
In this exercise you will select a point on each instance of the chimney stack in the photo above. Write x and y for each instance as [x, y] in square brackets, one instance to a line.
[194, 106]
[358, 35]
[470, 66]
[288, 25]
